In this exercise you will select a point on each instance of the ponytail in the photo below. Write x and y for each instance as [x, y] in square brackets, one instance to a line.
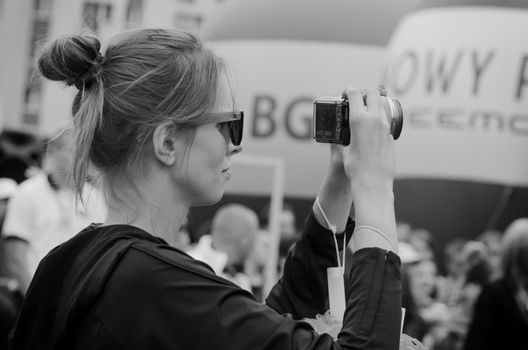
[76, 60]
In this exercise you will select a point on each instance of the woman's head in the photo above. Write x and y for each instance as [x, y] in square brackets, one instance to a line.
[148, 89]
[515, 253]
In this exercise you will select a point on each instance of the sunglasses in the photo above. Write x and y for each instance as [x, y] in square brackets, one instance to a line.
[235, 121]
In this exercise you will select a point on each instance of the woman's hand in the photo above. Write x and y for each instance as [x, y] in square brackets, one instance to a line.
[369, 159]
[369, 165]
[409, 343]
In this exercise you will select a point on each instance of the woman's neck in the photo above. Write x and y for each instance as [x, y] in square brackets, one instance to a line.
[154, 211]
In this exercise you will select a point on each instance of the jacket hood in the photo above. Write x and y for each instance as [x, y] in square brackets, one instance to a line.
[68, 283]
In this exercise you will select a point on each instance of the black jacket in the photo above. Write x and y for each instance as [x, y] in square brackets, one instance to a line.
[498, 322]
[118, 287]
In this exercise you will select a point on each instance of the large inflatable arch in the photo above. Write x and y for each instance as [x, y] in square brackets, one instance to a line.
[461, 78]
[285, 54]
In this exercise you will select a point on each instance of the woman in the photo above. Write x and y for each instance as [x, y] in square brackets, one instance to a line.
[500, 316]
[155, 115]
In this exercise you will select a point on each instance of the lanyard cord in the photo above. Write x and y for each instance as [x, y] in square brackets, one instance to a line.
[381, 233]
[333, 228]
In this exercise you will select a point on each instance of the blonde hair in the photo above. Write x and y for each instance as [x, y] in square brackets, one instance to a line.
[515, 252]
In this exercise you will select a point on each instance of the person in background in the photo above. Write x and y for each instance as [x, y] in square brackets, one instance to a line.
[256, 263]
[288, 230]
[44, 212]
[473, 270]
[423, 241]
[227, 247]
[423, 283]
[413, 323]
[477, 274]
[10, 294]
[492, 239]
[404, 231]
[8, 187]
[500, 317]
[20, 153]
[156, 115]
[452, 283]
[287, 221]
[426, 317]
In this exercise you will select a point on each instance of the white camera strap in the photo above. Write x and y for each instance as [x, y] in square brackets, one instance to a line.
[335, 278]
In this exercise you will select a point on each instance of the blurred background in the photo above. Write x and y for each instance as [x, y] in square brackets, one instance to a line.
[459, 69]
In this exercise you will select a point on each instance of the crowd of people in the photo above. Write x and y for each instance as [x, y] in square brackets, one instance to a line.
[466, 307]
[97, 226]
[441, 308]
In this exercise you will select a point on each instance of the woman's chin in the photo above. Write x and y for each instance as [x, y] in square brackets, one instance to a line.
[210, 200]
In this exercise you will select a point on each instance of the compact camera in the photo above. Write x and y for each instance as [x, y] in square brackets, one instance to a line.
[330, 119]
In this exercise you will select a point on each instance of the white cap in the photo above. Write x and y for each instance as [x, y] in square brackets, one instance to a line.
[7, 187]
[408, 254]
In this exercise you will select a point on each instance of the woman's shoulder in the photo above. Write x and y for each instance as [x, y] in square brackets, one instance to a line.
[156, 260]
[154, 271]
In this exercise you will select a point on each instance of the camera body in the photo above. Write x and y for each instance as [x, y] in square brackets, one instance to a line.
[330, 119]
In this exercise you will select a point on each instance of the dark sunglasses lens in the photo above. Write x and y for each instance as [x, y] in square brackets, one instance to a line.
[235, 130]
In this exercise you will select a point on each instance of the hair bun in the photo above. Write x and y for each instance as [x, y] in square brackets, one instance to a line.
[74, 59]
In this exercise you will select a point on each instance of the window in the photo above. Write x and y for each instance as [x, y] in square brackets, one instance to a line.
[95, 14]
[33, 88]
[134, 13]
[40, 33]
[43, 5]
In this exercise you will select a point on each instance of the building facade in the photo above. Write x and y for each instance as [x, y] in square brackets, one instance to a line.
[29, 103]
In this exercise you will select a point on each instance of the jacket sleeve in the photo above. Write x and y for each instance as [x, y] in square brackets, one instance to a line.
[373, 316]
[302, 289]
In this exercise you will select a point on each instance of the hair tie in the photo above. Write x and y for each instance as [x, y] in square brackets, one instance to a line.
[90, 76]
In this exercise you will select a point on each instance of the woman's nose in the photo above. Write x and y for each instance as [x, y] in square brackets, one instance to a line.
[234, 149]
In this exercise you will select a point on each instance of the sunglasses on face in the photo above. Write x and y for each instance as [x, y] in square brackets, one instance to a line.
[235, 123]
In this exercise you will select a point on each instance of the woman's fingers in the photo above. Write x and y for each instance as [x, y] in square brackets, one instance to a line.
[373, 100]
[355, 101]
[364, 109]
[375, 104]
[382, 89]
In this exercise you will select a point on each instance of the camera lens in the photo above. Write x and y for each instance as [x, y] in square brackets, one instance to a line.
[394, 115]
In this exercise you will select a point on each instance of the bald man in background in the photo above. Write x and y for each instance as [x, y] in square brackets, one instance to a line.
[226, 248]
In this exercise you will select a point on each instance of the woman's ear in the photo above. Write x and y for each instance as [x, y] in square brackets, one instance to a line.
[164, 143]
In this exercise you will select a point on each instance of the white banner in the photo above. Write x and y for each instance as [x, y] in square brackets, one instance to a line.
[461, 75]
